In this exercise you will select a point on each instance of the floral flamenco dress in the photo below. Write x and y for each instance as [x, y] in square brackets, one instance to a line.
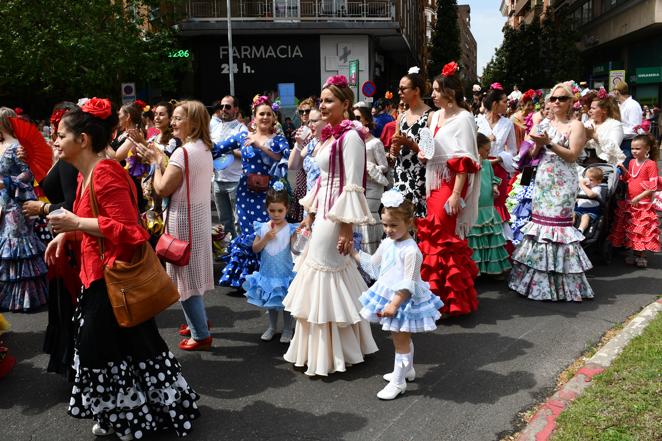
[486, 238]
[447, 263]
[267, 288]
[23, 284]
[549, 263]
[251, 207]
[636, 226]
[324, 295]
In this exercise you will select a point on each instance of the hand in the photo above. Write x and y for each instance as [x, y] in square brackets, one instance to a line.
[251, 139]
[635, 201]
[136, 136]
[622, 167]
[495, 191]
[32, 208]
[64, 222]
[399, 141]
[306, 223]
[421, 157]
[540, 140]
[300, 136]
[388, 311]
[492, 138]
[345, 239]
[55, 249]
[150, 153]
[454, 204]
[271, 234]
[21, 153]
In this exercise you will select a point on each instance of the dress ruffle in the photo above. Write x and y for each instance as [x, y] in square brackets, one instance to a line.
[542, 285]
[266, 292]
[135, 397]
[487, 241]
[417, 314]
[520, 199]
[241, 261]
[636, 227]
[23, 284]
[447, 267]
[351, 207]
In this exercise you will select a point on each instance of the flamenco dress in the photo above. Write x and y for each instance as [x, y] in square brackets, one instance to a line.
[323, 297]
[486, 237]
[637, 227]
[251, 207]
[549, 263]
[23, 283]
[267, 287]
[396, 266]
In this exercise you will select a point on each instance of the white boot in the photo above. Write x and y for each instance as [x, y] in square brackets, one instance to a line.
[273, 323]
[397, 385]
[288, 331]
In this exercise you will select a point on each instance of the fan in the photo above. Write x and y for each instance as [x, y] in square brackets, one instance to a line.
[39, 156]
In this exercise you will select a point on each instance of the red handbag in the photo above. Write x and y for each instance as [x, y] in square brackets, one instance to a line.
[169, 248]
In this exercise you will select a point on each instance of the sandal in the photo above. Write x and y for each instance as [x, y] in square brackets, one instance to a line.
[642, 262]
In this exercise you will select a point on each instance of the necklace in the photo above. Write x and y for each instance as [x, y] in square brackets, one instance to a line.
[636, 162]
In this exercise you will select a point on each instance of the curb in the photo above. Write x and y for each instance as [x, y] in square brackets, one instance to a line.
[543, 422]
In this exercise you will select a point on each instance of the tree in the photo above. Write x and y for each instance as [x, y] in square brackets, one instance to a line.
[445, 45]
[57, 49]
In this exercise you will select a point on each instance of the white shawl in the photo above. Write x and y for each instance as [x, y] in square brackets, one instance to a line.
[608, 146]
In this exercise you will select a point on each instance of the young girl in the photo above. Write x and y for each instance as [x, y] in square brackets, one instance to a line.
[486, 236]
[399, 300]
[267, 287]
[636, 225]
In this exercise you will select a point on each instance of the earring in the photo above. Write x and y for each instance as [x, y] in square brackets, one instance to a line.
[648, 155]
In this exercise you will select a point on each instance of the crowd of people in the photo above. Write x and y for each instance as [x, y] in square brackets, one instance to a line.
[390, 218]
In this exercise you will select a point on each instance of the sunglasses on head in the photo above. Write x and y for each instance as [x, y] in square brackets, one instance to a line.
[562, 98]
[304, 111]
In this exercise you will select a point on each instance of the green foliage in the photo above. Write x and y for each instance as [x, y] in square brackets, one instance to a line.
[66, 49]
[537, 55]
[445, 45]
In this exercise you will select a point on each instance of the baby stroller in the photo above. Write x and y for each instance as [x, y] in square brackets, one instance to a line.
[596, 234]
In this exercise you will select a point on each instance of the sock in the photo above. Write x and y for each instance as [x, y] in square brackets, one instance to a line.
[287, 321]
[400, 368]
[273, 318]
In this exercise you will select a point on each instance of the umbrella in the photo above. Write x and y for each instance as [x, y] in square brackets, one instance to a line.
[39, 155]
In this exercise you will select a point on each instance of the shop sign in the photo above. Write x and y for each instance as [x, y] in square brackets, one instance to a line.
[615, 77]
[649, 75]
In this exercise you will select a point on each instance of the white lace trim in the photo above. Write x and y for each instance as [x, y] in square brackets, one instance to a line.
[353, 187]
[327, 269]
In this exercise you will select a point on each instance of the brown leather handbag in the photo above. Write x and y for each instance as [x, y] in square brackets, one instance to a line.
[169, 248]
[137, 290]
[257, 183]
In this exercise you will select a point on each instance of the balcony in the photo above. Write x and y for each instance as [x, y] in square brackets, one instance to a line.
[291, 10]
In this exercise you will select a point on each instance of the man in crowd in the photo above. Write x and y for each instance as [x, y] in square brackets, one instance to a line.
[631, 117]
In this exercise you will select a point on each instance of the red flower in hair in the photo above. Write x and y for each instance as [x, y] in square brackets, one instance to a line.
[19, 111]
[529, 95]
[56, 117]
[602, 94]
[99, 107]
[449, 69]
[140, 103]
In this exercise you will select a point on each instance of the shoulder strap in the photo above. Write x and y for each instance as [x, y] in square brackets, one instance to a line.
[188, 198]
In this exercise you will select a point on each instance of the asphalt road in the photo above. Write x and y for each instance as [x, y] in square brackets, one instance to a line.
[474, 373]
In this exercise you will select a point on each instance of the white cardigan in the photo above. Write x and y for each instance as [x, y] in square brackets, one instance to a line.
[608, 145]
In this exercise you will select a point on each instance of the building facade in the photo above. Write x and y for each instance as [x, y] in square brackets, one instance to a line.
[523, 11]
[617, 36]
[299, 43]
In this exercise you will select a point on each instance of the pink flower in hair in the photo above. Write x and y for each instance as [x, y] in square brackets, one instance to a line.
[602, 94]
[336, 80]
[496, 86]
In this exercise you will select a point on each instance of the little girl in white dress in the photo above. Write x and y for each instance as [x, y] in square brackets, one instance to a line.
[399, 300]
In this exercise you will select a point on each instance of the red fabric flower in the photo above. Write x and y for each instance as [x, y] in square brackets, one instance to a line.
[449, 69]
[336, 80]
[99, 107]
[140, 103]
[18, 111]
[56, 117]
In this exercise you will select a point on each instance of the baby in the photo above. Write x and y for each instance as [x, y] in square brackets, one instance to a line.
[589, 209]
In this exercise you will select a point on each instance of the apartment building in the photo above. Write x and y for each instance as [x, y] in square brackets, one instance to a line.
[523, 11]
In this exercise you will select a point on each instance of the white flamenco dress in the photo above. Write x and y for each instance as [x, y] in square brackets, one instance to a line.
[323, 297]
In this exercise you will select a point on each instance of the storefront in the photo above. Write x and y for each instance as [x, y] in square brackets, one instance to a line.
[647, 82]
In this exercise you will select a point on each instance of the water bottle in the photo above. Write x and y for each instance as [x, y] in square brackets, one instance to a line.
[303, 236]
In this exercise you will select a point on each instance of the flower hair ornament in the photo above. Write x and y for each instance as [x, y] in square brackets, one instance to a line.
[450, 69]
[278, 186]
[496, 86]
[392, 198]
[259, 100]
[142, 105]
[81, 102]
[388, 95]
[602, 94]
[414, 70]
[529, 95]
[98, 107]
[56, 116]
[336, 80]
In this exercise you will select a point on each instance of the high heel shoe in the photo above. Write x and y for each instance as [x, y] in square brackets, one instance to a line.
[188, 344]
[184, 330]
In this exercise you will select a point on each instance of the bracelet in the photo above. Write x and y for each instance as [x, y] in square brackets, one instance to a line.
[47, 208]
[41, 209]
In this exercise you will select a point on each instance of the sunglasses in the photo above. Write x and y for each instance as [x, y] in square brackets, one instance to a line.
[402, 89]
[562, 99]
[313, 121]
[225, 106]
[304, 111]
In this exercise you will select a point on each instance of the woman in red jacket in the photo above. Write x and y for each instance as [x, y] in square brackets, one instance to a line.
[126, 380]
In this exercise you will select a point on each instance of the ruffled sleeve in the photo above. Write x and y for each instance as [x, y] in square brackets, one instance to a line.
[371, 263]
[462, 165]
[228, 144]
[19, 187]
[351, 207]
[609, 147]
[293, 228]
[280, 145]
[309, 201]
[650, 181]
[257, 228]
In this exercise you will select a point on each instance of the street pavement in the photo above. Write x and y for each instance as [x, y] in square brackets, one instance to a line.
[474, 374]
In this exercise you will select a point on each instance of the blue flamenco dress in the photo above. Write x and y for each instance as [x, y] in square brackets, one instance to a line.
[23, 285]
[397, 266]
[251, 207]
[267, 287]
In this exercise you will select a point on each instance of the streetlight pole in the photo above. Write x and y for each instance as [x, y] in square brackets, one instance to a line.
[230, 49]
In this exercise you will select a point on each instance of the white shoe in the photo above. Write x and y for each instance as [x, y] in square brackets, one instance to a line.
[268, 334]
[286, 337]
[411, 376]
[100, 431]
[391, 391]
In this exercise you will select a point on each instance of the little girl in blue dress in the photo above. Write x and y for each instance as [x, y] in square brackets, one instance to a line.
[267, 287]
[399, 300]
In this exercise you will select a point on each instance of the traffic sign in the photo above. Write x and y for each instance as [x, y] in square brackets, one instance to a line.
[369, 89]
[128, 92]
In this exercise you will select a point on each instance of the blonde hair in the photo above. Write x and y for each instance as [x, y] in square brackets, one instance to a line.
[343, 94]
[198, 120]
[568, 90]
[307, 102]
[5, 114]
[622, 87]
[595, 173]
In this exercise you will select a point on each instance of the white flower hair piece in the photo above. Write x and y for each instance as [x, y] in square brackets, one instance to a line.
[414, 70]
[392, 198]
[278, 186]
[81, 102]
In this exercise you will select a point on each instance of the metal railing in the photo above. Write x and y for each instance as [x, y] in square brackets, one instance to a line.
[303, 10]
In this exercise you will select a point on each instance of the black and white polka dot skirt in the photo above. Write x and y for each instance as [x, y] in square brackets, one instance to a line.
[126, 378]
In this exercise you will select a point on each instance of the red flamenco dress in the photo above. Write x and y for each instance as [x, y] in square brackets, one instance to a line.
[447, 263]
[636, 226]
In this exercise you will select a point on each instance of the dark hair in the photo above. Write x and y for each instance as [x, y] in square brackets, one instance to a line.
[493, 96]
[481, 139]
[453, 89]
[367, 115]
[418, 82]
[166, 135]
[379, 104]
[275, 196]
[651, 142]
[99, 130]
[135, 114]
[235, 102]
